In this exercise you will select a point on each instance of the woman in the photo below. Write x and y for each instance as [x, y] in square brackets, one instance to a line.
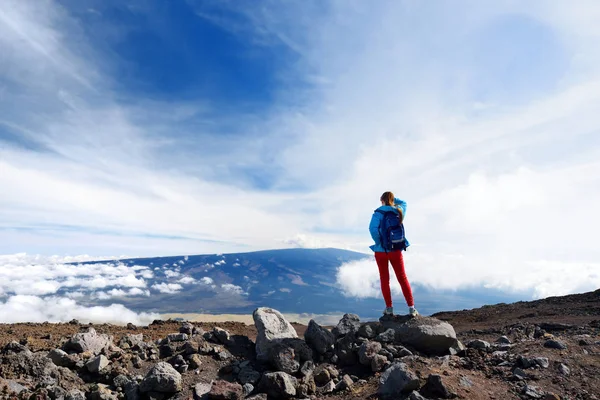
[382, 257]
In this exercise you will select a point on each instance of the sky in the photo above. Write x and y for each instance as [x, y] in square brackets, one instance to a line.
[147, 128]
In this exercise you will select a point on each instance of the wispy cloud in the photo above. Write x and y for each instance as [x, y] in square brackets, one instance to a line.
[483, 117]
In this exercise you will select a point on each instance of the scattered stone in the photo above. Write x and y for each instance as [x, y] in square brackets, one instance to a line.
[532, 391]
[326, 388]
[344, 383]
[187, 328]
[555, 344]
[350, 323]
[260, 396]
[162, 378]
[414, 395]
[318, 338]
[247, 389]
[222, 335]
[177, 337]
[201, 390]
[563, 369]
[223, 390]
[61, 358]
[478, 344]
[278, 385]
[88, 341]
[271, 328]
[396, 380]
[503, 340]
[322, 375]
[97, 364]
[542, 362]
[195, 361]
[435, 388]
[378, 363]
[465, 381]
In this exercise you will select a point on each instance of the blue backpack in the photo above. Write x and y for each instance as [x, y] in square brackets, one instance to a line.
[391, 231]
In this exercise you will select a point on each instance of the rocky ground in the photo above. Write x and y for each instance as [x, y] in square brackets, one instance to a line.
[547, 349]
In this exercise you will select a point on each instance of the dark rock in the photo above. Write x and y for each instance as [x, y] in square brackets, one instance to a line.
[346, 350]
[435, 388]
[503, 340]
[186, 328]
[195, 361]
[478, 344]
[167, 350]
[223, 390]
[321, 375]
[555, 344]
[396, 380]
[248, 375]
[366, 331]
[350, 323]
[61, 358]
[284, 359]
[162, 378]
[388, 336]
[318, 338]
[278, 385]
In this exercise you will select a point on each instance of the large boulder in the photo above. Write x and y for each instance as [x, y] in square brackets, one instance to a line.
[162, 378]
[428, 335]
[272, 328]
[89, 341]
[278, 385]
[397, 380]
[318, 338]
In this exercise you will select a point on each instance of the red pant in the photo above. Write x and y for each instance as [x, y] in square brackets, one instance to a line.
[397, 261]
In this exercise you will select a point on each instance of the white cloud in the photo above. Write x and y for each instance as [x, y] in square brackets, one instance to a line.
[228, 287]
[57, 309]
[171, 274]
[167, 287]
[454, 271]
[187, 280]
[206, 280]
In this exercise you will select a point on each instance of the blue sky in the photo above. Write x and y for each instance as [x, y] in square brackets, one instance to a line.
[186, 127]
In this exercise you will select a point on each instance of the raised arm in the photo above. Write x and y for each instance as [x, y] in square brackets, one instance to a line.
[402, 205]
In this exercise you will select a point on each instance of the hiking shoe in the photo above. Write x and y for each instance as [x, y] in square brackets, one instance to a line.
[388, 311]
[413, 312]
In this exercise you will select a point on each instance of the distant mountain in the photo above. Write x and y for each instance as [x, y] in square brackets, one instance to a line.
[291, 280]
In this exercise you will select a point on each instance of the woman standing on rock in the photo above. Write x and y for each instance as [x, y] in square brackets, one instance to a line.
[388, 233]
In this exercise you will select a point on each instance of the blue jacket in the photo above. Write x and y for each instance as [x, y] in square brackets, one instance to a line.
[376, 222]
